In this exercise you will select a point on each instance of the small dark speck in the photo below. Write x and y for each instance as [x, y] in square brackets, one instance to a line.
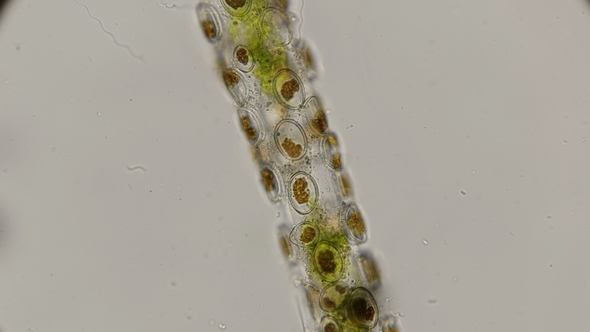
[463, 192]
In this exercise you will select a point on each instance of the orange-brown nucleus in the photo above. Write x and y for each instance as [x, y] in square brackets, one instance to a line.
[247, 127]
[326, 261]
[307, 235]
[300, 191]
[242, 56]
[209, 29]
[362, 310]
[289, 88]
[230, 78]
[319, 123]
[235, 4]
[292, 149]
[268, 179]
[356, 222]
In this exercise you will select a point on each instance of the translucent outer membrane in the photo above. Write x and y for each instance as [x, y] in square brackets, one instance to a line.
[268, 71]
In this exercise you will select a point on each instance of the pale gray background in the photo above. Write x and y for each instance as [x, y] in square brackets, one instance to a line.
[465, 125]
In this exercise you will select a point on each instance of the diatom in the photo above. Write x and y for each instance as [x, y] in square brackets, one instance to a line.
[268, 71]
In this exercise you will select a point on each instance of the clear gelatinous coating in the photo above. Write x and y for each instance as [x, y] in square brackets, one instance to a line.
[268, 70]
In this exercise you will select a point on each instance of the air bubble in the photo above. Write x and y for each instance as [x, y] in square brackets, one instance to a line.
[275, 27]
[290, 139]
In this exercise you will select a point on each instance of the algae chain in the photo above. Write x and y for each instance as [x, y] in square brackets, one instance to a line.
[268, 71]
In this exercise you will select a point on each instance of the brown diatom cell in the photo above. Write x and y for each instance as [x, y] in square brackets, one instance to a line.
[304, 234]
[243, 59]
[362, 309]
[209, 21]
[331, 152]
[328, 261]
[316, 116]
[249, 125]
[288, 89]
[230, 78]
[300, 191]
[354, 224]
[285, 244]
[333, 296]
[270, 183]
[290, 139]
[369, 270]
[345, 185]
[304, 192]
[246, 126]
[236, 86]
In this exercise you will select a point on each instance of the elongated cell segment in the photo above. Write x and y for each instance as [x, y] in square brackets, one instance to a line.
[268, 71]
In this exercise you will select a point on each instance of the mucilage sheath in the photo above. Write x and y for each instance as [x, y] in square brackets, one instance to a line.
[268, 71]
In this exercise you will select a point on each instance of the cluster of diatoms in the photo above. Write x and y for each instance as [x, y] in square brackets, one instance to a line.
[268, 71]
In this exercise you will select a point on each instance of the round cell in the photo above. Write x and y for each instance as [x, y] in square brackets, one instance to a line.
[316, 116]
[210, 21]
[236, 85]
[334, 296]
[270, 183]
[303, 193]
[243, 59]
[328, 261]
[276, 28]
[354, 224]
[237, 7]
[329, 324]
[288, 89]
[290, 139]
[362, 309]
[304, 234]
[250, 125]
[331, 151]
